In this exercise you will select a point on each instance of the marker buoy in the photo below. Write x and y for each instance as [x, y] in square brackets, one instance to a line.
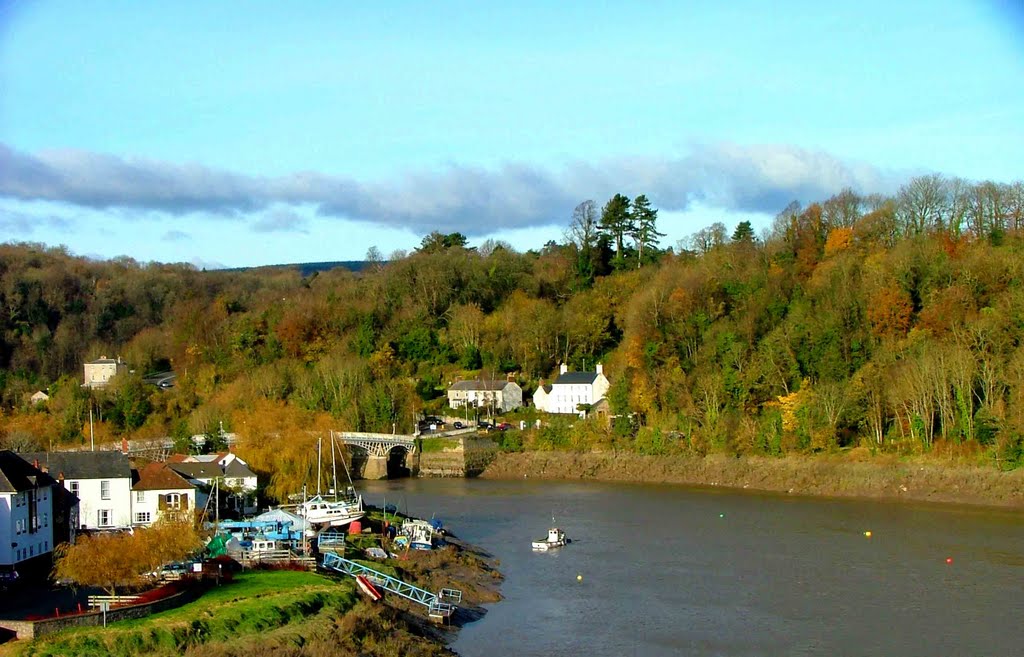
[721, 515]
[579, 578]
[868, 534]
[949, 559]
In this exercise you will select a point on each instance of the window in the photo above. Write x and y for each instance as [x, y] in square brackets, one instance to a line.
[143, 518]
[104, 518]
[20, 525]
[73, 487]
[104, 490]
[140, 496]
[173, 501]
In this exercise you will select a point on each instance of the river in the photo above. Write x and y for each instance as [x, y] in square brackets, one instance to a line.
[667, 570]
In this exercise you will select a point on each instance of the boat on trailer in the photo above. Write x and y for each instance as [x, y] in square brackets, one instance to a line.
[555, 538]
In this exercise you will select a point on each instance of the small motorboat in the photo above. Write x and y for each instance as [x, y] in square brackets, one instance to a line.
[555, 538]
[367, 587]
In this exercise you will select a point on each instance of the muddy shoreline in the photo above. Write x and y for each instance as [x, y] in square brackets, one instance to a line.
[872, 477]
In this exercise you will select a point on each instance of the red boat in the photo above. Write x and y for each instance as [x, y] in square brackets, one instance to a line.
[367, 587]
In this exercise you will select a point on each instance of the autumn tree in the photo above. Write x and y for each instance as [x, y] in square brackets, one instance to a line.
[114, 561]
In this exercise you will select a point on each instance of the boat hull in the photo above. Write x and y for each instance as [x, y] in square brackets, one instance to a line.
[367, 587]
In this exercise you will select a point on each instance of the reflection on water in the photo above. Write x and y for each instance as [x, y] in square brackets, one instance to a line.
[674, 571]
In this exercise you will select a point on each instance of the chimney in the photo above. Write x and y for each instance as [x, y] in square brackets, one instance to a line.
[510, 377]
[124, 445]
[60, 477]
[35, 463]
[600, 368]
[563, 369]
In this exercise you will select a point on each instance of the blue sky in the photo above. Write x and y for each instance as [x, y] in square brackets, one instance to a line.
[232, 135]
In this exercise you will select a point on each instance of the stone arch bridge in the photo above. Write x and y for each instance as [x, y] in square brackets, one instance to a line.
[379, 449]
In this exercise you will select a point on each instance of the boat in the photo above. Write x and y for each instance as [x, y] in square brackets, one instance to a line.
[336, 512]
[376, 553]
[367, 587]
[555, 538]
[420, 533]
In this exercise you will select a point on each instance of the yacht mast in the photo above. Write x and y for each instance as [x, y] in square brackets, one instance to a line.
[319, 443]
[334, 468]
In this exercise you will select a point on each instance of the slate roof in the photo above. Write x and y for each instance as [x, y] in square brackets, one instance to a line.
[237, 469]
[576, 378]
[157, 476]
[83, 465]
[17, 474]
[479, 385]
[197, 470]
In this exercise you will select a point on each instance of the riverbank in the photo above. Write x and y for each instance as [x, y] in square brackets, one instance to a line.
[297, 613]
[850, 475]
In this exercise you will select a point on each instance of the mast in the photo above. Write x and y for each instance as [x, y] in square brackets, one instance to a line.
[319, 443]
[334, 467]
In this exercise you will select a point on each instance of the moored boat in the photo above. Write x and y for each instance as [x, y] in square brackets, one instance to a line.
[555, 538]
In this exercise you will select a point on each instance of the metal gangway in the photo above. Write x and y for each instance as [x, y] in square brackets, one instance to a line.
[440, 606]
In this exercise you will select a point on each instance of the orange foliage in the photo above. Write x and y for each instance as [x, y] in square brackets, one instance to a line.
[889, 312]
[839, 239]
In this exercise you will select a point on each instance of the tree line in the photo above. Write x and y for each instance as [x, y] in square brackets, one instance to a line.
[879, 322]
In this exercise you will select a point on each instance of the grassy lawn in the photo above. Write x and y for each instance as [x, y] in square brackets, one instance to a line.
[256, 603]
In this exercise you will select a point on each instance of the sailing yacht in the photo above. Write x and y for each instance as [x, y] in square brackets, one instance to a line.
[339, 510]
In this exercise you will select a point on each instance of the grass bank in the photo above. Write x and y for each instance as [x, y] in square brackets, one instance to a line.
[260, 613]
[852, 474]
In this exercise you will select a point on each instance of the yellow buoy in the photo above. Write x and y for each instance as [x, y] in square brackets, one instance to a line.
[579, 578]
[868, 534]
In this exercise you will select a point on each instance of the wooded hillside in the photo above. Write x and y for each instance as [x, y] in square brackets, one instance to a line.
[892, 323]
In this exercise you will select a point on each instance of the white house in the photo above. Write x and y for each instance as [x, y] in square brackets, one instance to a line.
[26, 514]
[570, 390]
[237, 481]
[102, 482]
[502, 396]
[159, 491]
[99, 372]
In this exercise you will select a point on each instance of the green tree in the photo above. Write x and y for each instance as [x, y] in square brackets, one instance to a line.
[616, 222]
[643, 229]
[744, 232]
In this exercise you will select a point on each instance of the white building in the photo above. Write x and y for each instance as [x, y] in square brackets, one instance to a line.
[102, 482]
[501, 396]
[571, 390]
[237, 482]
[160, 491]
[98, 373]
[26, 513]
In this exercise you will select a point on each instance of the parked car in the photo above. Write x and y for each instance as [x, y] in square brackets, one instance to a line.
[458, 424]
[503, 426]
[483, 424]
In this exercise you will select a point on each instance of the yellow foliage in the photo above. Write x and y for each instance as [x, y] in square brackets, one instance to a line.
[839, 239]
[113, 561]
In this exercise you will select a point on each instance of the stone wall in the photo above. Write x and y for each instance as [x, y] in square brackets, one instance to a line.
[466, 457]
[40, 628]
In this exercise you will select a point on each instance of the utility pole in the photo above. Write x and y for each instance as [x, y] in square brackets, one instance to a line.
[92, 436]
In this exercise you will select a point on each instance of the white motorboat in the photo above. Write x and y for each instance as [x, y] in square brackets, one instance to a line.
[555, 538]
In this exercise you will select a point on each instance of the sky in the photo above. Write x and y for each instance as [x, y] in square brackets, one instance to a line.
[245, 134]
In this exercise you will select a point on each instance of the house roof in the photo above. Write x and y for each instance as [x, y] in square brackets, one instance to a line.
[478, 384]
[546, 389]
[238, 469]
[197, 470]
[17, 474]
[576, 378]
[157, 476]
[83, 465]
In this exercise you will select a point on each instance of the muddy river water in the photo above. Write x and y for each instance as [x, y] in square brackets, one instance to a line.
[667, 570]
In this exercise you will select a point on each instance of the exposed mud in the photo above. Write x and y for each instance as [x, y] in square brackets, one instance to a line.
[849, 475]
